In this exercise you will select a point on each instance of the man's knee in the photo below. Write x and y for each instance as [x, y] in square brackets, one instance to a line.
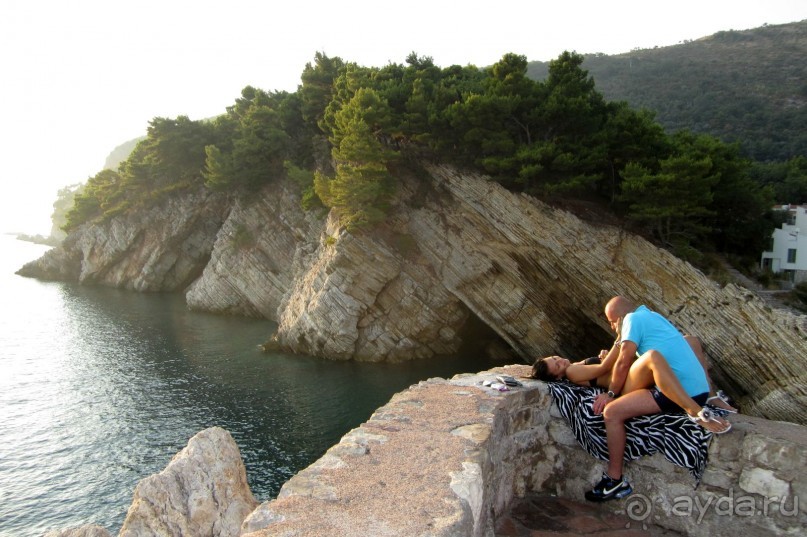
[612, 415]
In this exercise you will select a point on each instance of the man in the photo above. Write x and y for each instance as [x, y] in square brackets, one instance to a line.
[648, 334]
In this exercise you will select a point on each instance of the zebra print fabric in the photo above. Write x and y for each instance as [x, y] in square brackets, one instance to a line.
[682, 441]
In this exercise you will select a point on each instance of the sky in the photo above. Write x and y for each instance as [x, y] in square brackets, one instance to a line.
[80, 77]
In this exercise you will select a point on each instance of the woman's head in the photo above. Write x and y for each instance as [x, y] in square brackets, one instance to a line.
[549, 368]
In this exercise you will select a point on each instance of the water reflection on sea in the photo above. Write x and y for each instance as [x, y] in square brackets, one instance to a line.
[100, 388]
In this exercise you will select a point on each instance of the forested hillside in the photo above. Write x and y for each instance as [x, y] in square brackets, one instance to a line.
[348, 131]
[740, 86]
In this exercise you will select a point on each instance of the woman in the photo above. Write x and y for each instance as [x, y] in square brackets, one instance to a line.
[589, 372]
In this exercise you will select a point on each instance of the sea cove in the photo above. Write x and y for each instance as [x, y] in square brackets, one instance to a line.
[99, 388]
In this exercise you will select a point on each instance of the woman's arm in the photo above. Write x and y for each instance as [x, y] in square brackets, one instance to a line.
[581, 373]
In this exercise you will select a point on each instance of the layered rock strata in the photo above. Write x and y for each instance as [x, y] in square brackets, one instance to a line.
[456, 247]
[255, 254]
[161, 248]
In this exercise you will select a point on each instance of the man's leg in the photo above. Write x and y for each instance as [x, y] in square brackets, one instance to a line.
[616, 413]
[637, 403]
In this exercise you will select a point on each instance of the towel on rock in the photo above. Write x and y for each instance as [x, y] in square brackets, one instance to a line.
[682, 441]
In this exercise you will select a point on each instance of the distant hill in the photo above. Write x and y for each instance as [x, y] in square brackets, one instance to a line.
[121, 153]
[741, 86]
[747, 86]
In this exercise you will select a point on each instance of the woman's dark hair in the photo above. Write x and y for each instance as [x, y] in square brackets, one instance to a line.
[540, 371]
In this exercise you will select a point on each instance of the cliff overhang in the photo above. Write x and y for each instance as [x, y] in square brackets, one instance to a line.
[457, 249]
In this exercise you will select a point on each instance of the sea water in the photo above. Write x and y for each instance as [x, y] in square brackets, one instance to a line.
[99, 388]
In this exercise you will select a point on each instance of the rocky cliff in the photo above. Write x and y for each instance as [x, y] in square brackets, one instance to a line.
[162, 248]
[457, 251]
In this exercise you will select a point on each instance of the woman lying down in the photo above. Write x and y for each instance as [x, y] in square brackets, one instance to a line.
[668, 393]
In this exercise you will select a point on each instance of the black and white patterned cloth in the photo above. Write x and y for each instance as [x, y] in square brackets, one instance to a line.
[682, 441]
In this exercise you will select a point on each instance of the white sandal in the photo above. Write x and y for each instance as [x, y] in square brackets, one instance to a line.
[709, 421]
[721, 400]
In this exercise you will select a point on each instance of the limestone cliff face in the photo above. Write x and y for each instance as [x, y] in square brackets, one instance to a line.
[335, 294]
[252, 263]
[539, 277]
[457, 246]
[162, 248]
[360, 297]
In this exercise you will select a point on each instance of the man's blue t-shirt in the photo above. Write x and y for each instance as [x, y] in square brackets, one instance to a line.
[651, 331]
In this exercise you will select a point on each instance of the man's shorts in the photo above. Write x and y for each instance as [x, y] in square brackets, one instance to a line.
[667, 405]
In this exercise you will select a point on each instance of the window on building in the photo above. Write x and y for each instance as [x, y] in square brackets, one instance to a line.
[791, 218]
[791, 255]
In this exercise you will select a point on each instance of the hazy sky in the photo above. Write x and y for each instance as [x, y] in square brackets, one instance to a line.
[80, 77]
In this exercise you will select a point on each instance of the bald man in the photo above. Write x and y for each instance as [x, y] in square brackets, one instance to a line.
[648, 334]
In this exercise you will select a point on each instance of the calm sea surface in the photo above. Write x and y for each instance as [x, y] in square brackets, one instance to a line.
[100, 388]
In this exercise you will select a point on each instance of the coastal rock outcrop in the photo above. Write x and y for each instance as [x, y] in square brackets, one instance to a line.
[457, 250]
[389, 306]
[539, 277]
[252, 262]
[160, 248]
[202, 492]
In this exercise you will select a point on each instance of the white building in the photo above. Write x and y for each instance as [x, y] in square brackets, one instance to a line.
[788, 254]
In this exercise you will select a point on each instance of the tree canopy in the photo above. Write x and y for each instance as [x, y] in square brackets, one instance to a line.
[347, 127]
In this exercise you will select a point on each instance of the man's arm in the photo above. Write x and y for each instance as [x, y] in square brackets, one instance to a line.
[627, 352]
[610, 357]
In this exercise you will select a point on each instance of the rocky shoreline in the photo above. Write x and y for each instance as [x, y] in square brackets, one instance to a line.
[452, 458]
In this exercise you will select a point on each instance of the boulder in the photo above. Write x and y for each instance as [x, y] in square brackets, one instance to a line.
[203, 492]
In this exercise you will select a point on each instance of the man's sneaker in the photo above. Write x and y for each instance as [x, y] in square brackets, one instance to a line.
[609, 489]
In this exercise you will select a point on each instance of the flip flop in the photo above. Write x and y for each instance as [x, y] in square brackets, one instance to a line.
[721, 400]
[714, 424]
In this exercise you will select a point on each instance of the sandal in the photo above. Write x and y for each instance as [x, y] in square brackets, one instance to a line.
[721, 400]
[709, 421]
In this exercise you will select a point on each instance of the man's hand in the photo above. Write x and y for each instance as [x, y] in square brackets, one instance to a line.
[600, 401]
